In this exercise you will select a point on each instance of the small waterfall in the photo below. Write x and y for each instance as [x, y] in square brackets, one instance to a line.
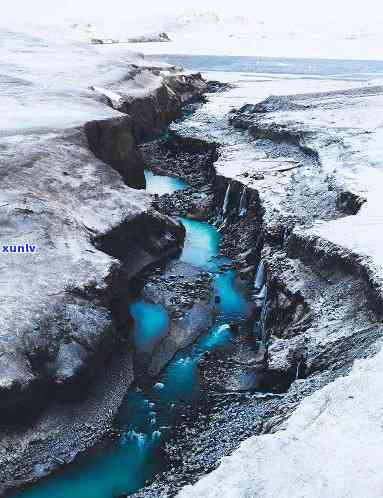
[220, 218]
[226, 200]
[298, 368]
[259, 327]
[260, 278]
[260, 298]
[243, 202]
[262, 295]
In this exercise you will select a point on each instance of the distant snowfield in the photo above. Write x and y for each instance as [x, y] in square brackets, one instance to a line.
[207, 33]
[217, 40]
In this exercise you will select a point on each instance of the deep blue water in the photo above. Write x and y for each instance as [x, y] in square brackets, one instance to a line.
[146, 416]
[151, 324]
[201, 246]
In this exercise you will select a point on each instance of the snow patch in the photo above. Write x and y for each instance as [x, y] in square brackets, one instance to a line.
[331, 447]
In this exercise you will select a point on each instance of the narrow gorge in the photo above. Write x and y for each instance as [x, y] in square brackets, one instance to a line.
[187, 296]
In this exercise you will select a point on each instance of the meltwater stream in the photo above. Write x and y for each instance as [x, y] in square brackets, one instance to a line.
[147, 416]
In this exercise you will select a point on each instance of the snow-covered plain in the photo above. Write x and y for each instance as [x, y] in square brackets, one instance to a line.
[46, 79]
[326, 31]
[210, 32]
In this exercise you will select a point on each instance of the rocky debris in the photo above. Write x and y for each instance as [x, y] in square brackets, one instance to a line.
[191, 160]
[178, 288]
[156, 38]
[193, 203]
[186, 294]
[186, 158]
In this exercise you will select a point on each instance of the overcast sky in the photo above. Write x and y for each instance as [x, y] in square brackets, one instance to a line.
[342, 12]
